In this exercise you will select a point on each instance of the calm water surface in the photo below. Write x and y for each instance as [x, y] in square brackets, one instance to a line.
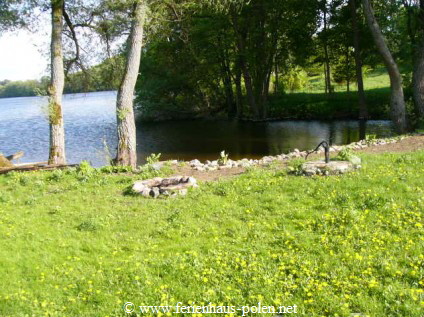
[90, 123]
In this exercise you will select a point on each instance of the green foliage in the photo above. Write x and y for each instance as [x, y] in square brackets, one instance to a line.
[295, 79]
[23, 88]
[153, 158]
[332, 246]
[345, 154]
[85, 171]
[370, 137]
[295, 166]
[103, 77]
[223, 158]
[114, 169]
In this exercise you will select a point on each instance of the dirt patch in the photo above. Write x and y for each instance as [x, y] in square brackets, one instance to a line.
[409, 144]
[211, 176]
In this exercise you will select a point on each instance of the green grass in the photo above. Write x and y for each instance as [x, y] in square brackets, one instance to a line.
[373, 79]
[72, 244]
[311, 103]
[339, 105]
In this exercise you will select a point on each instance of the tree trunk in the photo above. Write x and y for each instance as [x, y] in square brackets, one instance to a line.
[326, 54]
[397, 101]
[325, 79]
[347, 69]
[57, 130]
[127, 145]
[241, 34]
[418, 74]
[239, 92]
[419, 81]
[277, 79]
[227, 80]
[363, 110]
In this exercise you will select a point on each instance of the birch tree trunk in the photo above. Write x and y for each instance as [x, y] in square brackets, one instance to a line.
[57, 131]
[397, 100]
[363, 111]
[127, 145]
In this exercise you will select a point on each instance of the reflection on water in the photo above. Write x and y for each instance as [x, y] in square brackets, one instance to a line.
[206, 139]
[90, 122]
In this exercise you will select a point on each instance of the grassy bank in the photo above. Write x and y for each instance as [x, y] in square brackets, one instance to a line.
[339, 105]
[72, 244]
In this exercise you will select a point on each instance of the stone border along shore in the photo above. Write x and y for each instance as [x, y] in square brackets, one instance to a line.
[245, 163]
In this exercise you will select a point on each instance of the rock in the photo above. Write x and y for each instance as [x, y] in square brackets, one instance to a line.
[155, 192]
[171, 181]
[183, 192]
[153, 182]
[192, 181]
[157, 166]
[138, 187]
[267, 160]
[310, 172]
[145, 192]
[164, 192]
[214, 163]
[195, 163]
[355, 160]
[332, 168]
[177, 185]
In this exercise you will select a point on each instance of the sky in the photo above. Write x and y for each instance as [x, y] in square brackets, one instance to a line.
[20, 56]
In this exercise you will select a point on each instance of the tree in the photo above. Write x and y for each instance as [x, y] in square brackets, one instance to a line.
[397, 101]
[9, 15]
[55, 91]
[324, 33]
[127, 145]
[415, 29]
[363, 111]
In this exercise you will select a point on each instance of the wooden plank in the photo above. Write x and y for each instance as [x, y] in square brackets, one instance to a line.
[32, 164]
[35, 168]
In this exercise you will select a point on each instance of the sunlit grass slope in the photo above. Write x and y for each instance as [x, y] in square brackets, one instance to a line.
[72, 244]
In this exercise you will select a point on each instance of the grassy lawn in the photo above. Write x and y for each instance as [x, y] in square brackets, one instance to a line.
[373, 79]
[312, 103]
[72, 244]
[324, 107]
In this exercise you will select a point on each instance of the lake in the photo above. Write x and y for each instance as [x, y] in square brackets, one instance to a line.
[90, 125]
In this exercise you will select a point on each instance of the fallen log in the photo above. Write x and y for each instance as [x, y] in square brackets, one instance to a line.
[28, 168]
[4, 162]
[31, 164]
[15, 156]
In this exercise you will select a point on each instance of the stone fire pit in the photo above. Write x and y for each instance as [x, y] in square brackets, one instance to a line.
[172, 186]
